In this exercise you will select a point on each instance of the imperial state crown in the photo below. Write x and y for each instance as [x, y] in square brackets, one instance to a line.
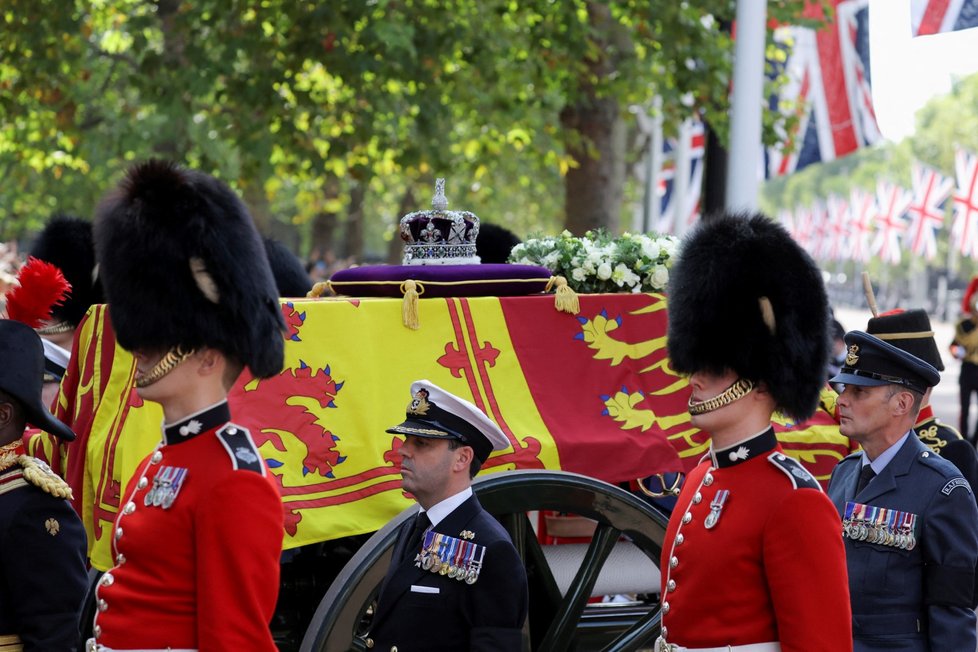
[440, 236]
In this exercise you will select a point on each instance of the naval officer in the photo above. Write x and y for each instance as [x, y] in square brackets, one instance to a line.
[910, 521]
[455, 581]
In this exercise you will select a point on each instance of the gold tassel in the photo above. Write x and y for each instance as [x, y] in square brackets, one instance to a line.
[319, 289]
[409, 309]
[565, 299]
[40, 475]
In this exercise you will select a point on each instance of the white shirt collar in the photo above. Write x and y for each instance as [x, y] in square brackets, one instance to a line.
[438, 512]
[886, 456]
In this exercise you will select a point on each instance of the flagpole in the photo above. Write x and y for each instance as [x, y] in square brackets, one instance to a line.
[746, 104]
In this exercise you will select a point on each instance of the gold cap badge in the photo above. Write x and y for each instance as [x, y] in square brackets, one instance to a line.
[853, 356]
[420, 403]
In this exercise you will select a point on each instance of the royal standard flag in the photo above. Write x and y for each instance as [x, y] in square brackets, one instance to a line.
[591, 393]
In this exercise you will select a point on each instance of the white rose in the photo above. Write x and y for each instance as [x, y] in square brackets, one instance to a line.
[550, 260]
[578, 274]
[604, 271]
[659, 277]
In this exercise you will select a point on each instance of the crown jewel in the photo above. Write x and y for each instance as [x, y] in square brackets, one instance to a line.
[440, 236]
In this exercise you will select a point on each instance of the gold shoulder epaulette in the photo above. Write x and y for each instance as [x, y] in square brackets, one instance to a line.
[40, 475]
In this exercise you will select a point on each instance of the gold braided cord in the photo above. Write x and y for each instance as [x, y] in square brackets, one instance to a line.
[9, 454]
[40, 475]
[904, 336]
[166, 364]
[737, 391]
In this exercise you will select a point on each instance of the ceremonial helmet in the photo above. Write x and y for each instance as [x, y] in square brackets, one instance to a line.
[744, 296]
[184, 268]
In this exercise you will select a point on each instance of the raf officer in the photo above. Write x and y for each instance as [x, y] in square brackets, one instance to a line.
[910, 522]
[911, 331]
[752, 558]
[42, 541]
[455, 581]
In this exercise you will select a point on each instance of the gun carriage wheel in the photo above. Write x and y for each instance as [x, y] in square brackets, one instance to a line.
[558, 619]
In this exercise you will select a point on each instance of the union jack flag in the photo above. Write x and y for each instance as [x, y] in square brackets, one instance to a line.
[694, 134]
[964, 230]
[892, 202]
[837, 247]
[935, 16]
[862, 209]
[926, 211]
[828, 87]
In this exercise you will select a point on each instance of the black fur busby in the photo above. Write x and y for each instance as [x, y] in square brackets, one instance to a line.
[66, 242]
[182, 264]
[744, 296]
[494, 243]
[291, 277]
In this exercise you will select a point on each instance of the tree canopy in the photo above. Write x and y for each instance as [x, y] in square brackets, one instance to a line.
[333, 118]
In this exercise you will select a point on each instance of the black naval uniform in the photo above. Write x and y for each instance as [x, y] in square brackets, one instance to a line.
[917, 599]
[421, 611]
[42, 556]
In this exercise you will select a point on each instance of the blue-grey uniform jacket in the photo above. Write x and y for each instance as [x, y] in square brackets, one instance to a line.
[915, 599]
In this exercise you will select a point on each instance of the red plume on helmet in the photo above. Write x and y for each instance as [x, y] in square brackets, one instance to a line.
[40, 287]
[969, 295]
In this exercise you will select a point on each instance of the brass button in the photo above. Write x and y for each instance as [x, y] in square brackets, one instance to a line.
[232, 430]
[680, 538]
[665, 608]
[142, 483]
[707, 479]
[697, 497]
[673, 562]
[393, 648]
[687, 517]
[156, 458]
[129, 508]
[120, 559]
[671, 585]
[102, 605]
[369, 642]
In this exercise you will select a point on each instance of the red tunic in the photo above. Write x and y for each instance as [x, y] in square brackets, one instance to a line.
[204, 572]
[771, 568]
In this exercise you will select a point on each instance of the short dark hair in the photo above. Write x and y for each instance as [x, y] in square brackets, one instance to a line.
[475, 464]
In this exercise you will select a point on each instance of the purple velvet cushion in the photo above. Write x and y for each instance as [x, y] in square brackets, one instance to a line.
[441, 280]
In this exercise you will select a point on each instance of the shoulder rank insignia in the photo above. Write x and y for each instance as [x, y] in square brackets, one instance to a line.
[40, 475]
[799, 475]
[455, 558]
[239, 445]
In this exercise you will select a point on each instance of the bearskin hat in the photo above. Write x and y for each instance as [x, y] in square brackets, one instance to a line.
[744, 296]
[66, 242]
[183, 265]
[909, 330]
[291, 277]
[494, 243]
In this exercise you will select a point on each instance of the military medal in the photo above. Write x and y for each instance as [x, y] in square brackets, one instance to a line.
[716, 506]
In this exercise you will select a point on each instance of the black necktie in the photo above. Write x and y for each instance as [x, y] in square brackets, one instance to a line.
[413, 544]
[865, 475]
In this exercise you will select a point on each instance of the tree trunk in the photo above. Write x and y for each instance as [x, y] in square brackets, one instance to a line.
[593, 190]
[395, 249]
[174, 143]
[354, 224]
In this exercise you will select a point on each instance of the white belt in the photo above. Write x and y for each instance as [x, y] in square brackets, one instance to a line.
[662, 646]
[92, 646]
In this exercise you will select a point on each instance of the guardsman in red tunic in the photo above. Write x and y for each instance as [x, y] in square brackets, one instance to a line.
[198, 537]
[753, 559]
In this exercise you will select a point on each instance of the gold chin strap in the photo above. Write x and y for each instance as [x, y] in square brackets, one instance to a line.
[738, 390]
[55, 329]
[167, 363]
